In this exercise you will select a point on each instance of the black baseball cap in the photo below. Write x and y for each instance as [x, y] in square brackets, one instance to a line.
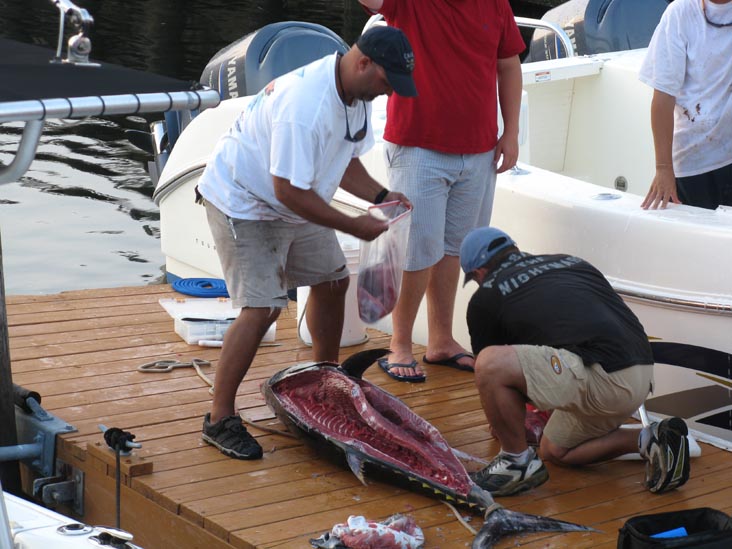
[389, 48]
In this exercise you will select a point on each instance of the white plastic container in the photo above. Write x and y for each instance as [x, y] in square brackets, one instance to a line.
[205, 319]
[354, 330]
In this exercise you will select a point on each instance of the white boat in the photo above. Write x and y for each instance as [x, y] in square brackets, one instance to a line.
[26, 525]
[585, 164]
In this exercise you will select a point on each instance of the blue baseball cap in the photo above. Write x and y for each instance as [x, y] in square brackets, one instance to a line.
[480, 246]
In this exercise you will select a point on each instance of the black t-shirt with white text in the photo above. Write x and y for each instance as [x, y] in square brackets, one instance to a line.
[560, 301]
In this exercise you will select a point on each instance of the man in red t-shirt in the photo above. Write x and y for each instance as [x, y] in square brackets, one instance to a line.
[443, 152]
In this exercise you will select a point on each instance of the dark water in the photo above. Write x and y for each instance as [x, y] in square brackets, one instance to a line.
[83, 216]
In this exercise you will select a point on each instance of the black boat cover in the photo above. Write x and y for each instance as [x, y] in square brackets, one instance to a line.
[28, 73]
[34, 88]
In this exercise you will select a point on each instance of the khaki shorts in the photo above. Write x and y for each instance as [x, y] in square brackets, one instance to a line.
[261, 260]
[587, 402]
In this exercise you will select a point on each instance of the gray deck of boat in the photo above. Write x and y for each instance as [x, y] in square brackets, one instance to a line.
[80, 350]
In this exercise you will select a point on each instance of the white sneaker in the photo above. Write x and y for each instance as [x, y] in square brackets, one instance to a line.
[505, 477]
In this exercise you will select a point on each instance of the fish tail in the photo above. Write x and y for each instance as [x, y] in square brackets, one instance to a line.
[356, 364]
[500, 523]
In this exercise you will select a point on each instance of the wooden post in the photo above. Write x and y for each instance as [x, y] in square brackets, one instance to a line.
[9, 470]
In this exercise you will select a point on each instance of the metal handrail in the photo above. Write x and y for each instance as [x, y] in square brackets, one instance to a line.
[25, 154]
[108, 105]
[33, 112]
[673, 301]
[552, 27]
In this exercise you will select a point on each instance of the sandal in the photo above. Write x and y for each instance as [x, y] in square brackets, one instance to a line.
[452, 362]
[387, 366]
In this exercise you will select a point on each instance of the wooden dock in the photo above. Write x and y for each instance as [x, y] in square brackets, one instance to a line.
[80, 350]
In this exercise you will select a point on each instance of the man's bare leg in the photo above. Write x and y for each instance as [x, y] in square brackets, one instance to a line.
[502, 386]
[414, 284]
[441, 291]
[614, 444]
[325, 310]
[241, 342]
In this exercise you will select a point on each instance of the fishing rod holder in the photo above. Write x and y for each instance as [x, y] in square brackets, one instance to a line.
[79, 46]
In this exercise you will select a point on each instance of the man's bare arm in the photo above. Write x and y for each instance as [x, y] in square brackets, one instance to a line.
[509, 96]
[357, 181]
[663, 187]
[308, 205]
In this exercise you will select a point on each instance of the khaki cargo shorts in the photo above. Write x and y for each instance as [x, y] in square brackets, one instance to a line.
[261, 260]
[587, 401]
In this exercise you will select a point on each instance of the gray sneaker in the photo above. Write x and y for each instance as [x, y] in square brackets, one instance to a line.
[665, 449]
[504, 477]
[231, 437]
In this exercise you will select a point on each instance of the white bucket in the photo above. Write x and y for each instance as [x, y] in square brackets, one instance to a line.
[354, 330]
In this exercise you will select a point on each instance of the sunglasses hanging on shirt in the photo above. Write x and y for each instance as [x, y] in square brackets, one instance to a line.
[360, 134]
[712, 23]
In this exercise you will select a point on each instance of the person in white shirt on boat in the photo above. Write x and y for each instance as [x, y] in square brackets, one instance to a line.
[550, 330]
[443, 151]
[689, 66]
[267, 190]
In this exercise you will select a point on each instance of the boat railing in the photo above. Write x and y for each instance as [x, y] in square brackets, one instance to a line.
[657, 297]
[527, 22]
[558, 31]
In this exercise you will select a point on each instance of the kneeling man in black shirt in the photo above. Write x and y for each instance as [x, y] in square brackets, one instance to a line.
[550, 330]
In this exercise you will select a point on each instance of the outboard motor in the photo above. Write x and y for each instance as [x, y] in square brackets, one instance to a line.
[249, 64]
[598, 26]
[245, 67]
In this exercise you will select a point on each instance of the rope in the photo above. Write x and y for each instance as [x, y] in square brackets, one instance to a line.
[469, 458]
[201, 287]
[461, 520]
[301, 320]
[266, 429]
[160, 366]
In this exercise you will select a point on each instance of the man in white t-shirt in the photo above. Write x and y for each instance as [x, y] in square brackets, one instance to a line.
[689, 66]
[267, 190]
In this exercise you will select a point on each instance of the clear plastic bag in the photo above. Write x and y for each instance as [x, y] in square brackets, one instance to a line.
[382, 262]
[534, 424]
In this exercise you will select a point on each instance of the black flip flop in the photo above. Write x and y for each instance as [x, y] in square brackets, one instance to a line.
[452, 362]
[387, 366]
